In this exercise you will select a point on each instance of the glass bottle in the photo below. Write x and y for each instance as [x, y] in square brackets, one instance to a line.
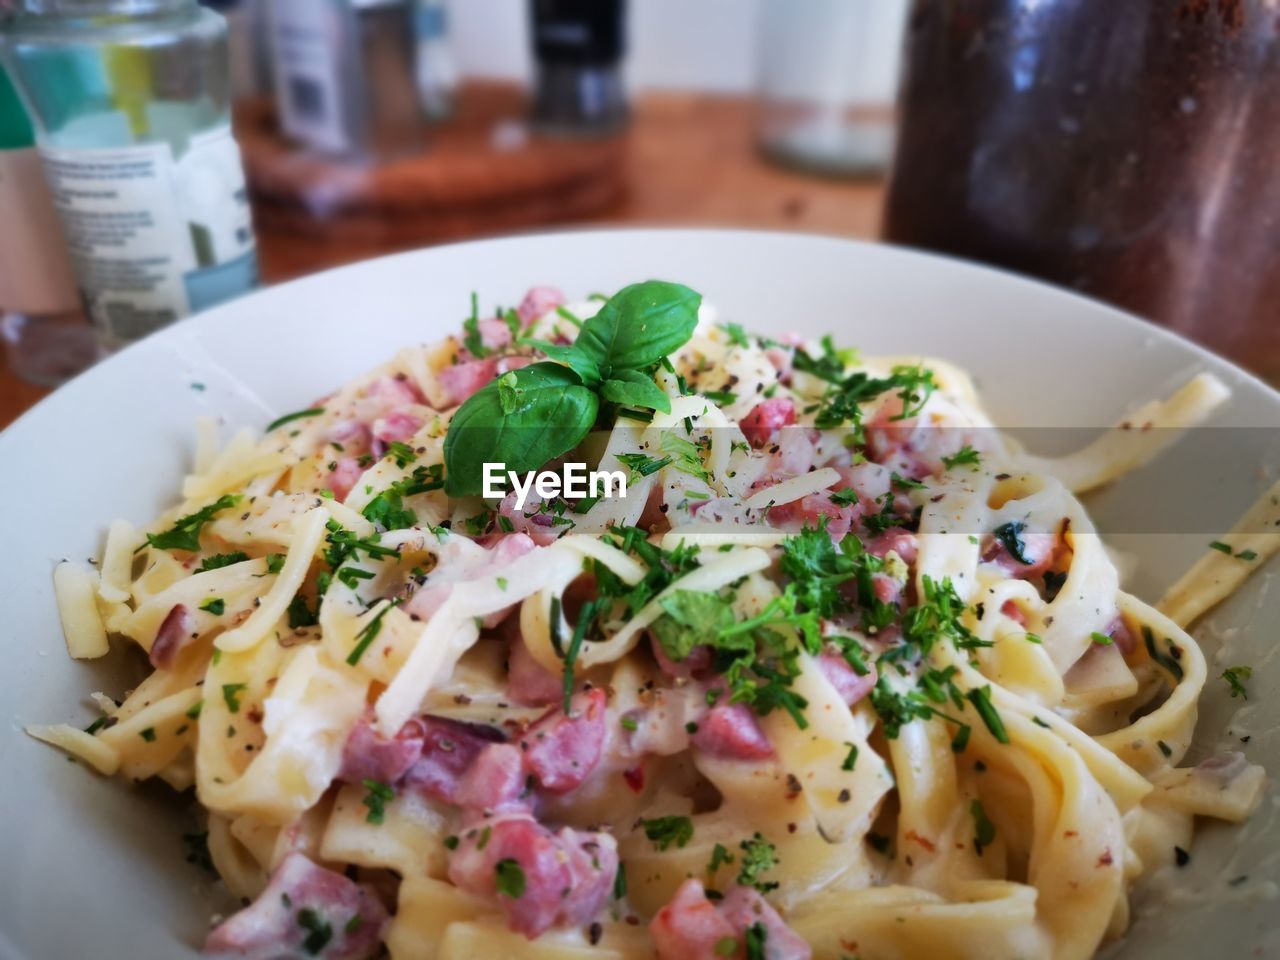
[1126, 150]
[43, 328]
[827, 76]
[131, 104]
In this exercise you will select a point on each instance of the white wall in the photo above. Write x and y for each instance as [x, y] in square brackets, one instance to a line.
[690, 44]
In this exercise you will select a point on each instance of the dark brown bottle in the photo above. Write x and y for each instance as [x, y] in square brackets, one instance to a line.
[1129, 150]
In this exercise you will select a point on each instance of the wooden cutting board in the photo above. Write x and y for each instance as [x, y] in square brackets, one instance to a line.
[483, 172]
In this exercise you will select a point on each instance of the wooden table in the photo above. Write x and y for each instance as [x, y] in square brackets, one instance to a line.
[691, 161]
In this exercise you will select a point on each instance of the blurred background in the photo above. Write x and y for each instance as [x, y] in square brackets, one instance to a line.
[160, 156]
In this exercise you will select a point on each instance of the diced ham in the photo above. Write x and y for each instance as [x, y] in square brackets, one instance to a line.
[870, 481]
[507, 364]
[1014, 613]
[567, 876]
[691, 927]
[540, 527]
[399, 426]
[352, 435]
[766, 419]
[1038, 547]
[811, 511]
[538, 302]
[459, 561]
[528, 682]
[305, 911]
[791, 452]
[494, 333]
[886, 588]
[449, 749]
[743, 907]
[662, 723]
[732, 731]
[1122, 636]
[782, 361]
[561, 751]
[368, 755]
[344, 476]
[898, 540]
[851, 686]
[494, 781]
[699, 659]
[393, 392]
[176, 630]
[461, 380]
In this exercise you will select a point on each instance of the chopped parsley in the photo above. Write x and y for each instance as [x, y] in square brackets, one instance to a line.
[401, 453]
[275, 562]
[379, 795]
[980, 697]
[1101, 639]
[851, 758]
[755, 938]
[1010, 535]
[387, 509]
[1220, 547]
[319, 932]
[736, 334]
[720, 855]
[641, 465]
[685, 454]
[758, 856]
[290, 417]
[984, 831]
[231, 694]
[965, 456]
[215, 605]
[472, 338]
[844, 498]
[197, 845]
[220, 560]
[185, 533]
[585, 618]
[664, 831]
[148, 734]
[1236, 677]
[368, 633]
[842, 402]
[509, 877]
[1168, 661]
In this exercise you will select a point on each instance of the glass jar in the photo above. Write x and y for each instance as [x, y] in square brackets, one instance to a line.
[1126, 150]
[827, 76]
[131, 104]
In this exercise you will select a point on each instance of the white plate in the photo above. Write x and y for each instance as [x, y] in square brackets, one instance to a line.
[94, 867]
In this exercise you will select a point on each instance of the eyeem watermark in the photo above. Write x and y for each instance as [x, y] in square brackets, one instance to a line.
[574, 482]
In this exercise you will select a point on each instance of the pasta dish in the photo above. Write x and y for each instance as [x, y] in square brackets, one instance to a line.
[845, 673]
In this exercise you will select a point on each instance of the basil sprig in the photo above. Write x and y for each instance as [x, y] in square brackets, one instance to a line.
[532, 415]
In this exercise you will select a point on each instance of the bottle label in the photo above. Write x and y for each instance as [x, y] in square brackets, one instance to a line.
[312, 47]
[153, 238]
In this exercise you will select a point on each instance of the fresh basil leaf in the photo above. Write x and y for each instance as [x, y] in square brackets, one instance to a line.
[631, 388]
[640, 325]
[568, 354]
[523, 420]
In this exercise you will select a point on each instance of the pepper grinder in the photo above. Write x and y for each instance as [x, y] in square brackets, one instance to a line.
[578, 46]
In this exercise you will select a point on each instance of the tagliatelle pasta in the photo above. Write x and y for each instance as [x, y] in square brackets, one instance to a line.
[845, 673]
